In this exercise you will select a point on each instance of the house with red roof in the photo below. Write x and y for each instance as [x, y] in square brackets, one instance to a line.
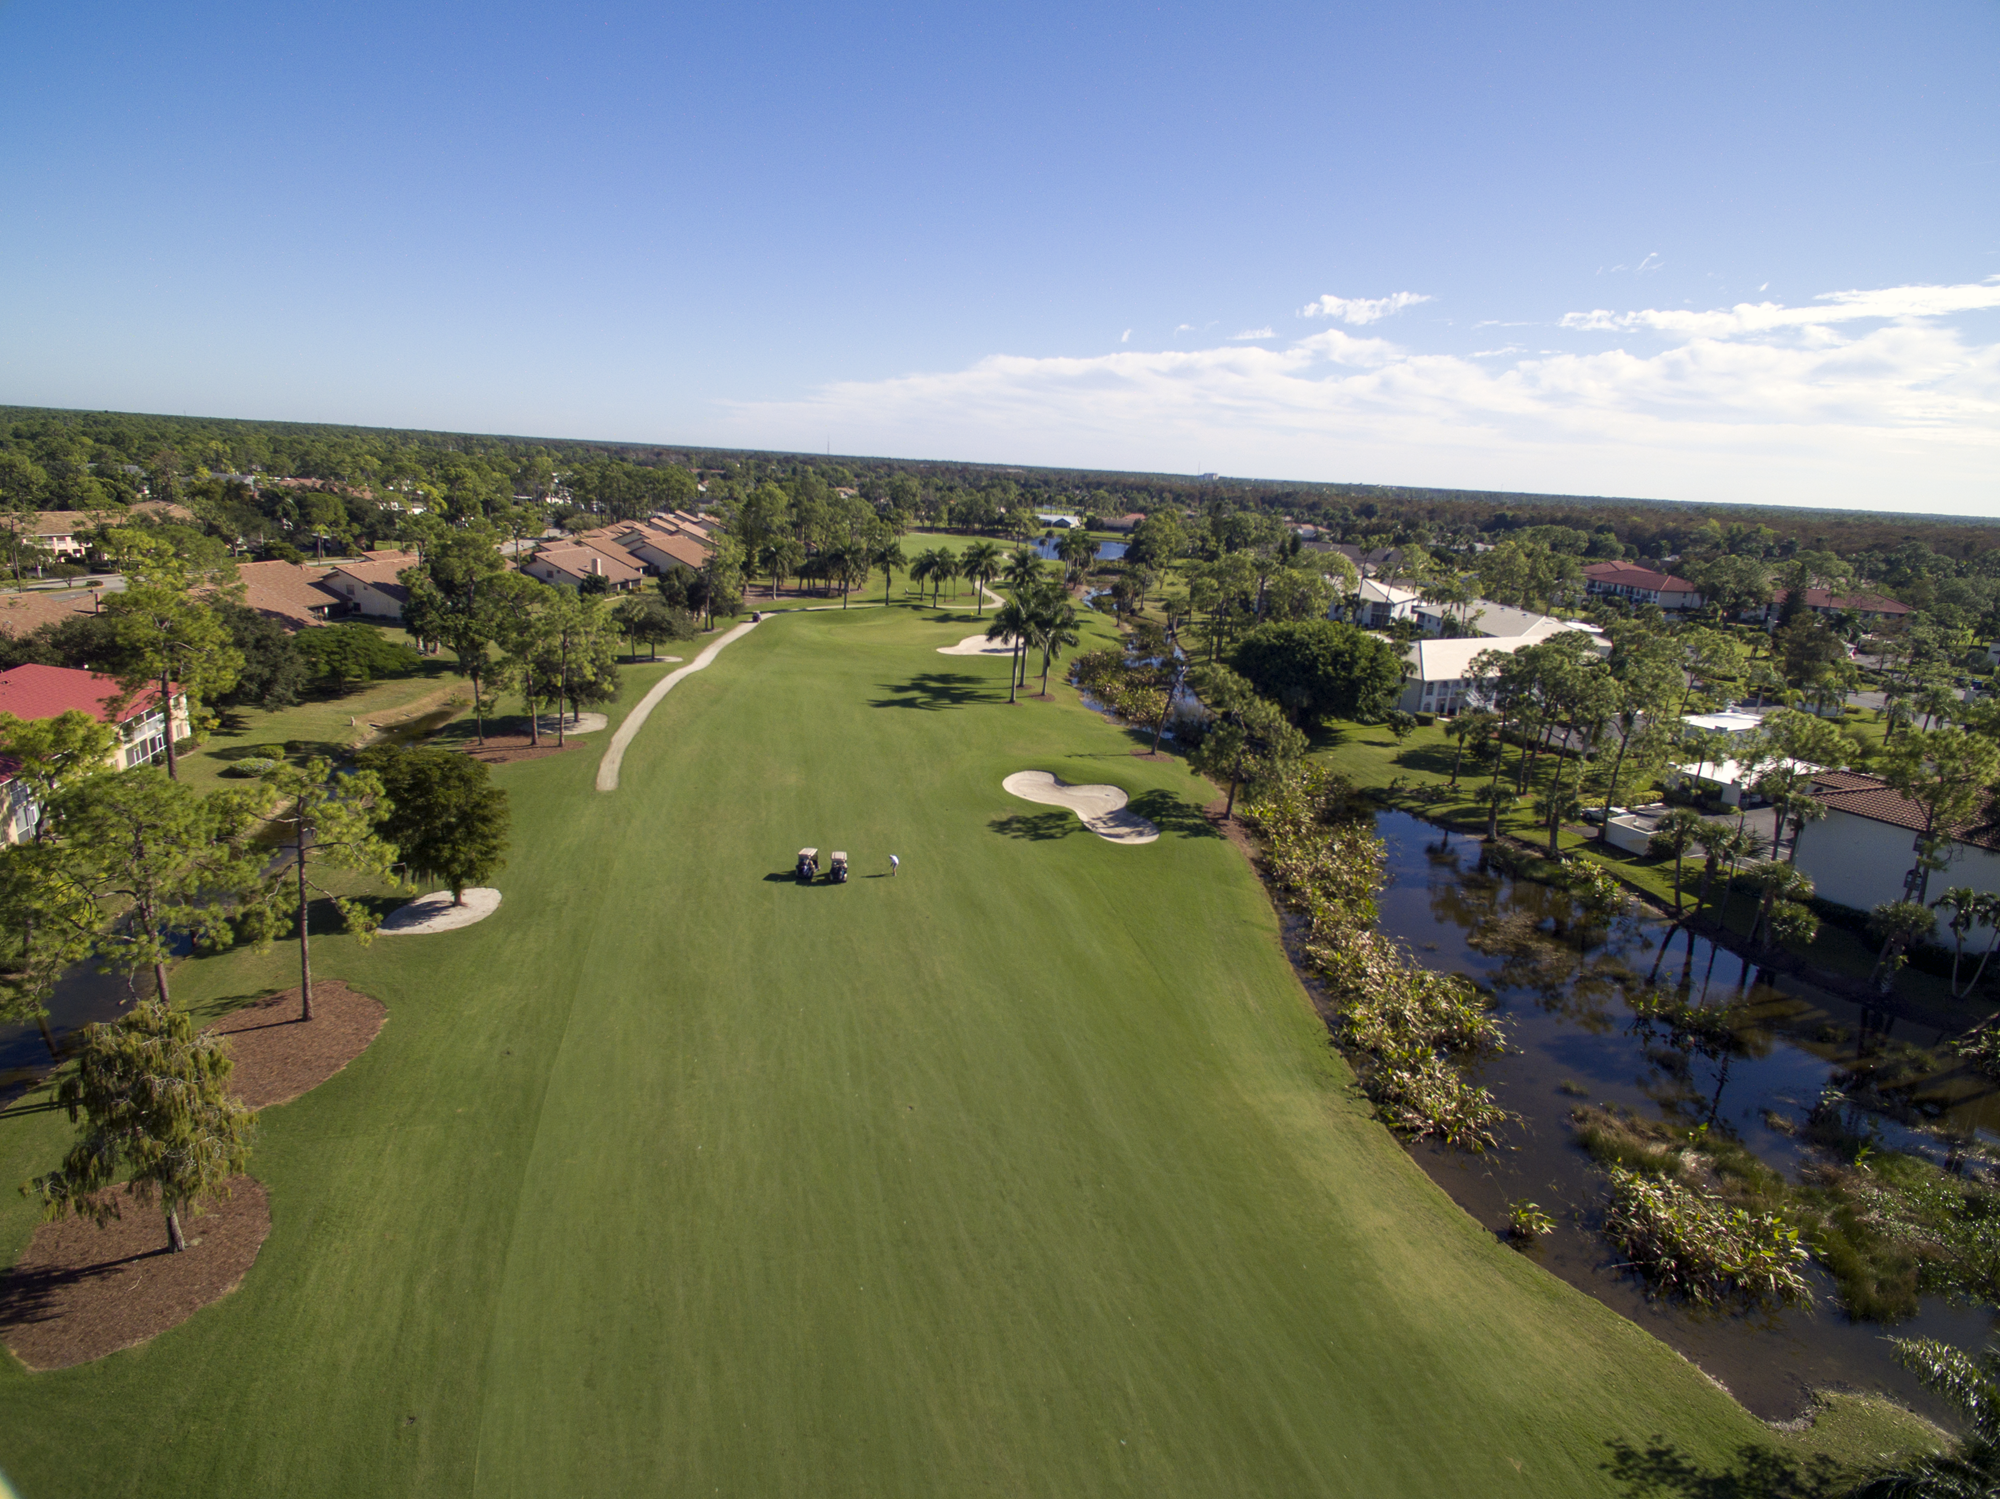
[1641, 585]
[1869, 608]
[35, 691]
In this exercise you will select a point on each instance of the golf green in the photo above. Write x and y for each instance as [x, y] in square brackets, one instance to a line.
[1027, 1171]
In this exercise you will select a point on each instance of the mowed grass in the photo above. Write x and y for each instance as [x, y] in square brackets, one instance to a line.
[1027, 1172]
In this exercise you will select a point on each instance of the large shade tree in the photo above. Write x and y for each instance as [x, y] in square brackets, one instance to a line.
[446, 818]
[153, 1096]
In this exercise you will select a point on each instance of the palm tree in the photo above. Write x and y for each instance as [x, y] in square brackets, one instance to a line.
[1969, 909]
[1054, 625]
[1010, 623]
[1725, 847]
[1675, 835]
[780, 557]
[1023, 569]
[847, 562]
[979, 563]
[1495, 796]
[889, 557]
[1972, 1466]
[1778, 881]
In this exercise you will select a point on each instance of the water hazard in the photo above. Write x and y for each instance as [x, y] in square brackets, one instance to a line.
[1106, 550]
[1573, 1037]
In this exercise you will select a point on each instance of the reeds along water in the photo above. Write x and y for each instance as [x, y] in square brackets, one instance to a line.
[1714, 1043]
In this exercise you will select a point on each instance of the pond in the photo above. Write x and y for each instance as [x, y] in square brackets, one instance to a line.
[29, 1050]
[1573, 1038]
[1045, 549]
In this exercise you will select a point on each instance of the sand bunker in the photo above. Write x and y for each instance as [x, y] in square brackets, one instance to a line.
[1102, 808]
[977, 645]
[436, 913]
[574, 723]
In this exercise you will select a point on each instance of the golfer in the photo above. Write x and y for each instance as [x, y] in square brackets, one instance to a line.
[894, 865]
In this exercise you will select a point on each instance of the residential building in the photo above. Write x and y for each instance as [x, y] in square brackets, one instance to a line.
[1378, 604]
[370, 588]
[659, 547]
[1869, 608]
[566, 566]
[292, 593]
[1861, 852]
[35, 691]
[1483, 617]
[1441, 680]
[1641, 585]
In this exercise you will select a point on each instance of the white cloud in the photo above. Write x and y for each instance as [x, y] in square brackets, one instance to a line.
[1905, 415]
[1362, 309]
[1765, 317]
[1264, 332]
[1125, 337]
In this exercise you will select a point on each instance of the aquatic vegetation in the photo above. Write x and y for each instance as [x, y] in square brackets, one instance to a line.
[1526, 1221]
[1694, 1245]
[1410, 1030]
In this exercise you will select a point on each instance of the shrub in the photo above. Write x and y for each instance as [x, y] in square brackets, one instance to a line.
[1527, 1222]
[250, 769]
[1425, 720]
[1693, 1245]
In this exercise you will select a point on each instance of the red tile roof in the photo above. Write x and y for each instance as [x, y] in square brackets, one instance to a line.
[1860, 603]
[1631, 575]
[34, 691]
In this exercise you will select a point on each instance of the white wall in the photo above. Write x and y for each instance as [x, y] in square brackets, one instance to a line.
[1861, 863]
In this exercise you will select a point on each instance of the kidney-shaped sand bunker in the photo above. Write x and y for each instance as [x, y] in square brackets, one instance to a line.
[1102, 808]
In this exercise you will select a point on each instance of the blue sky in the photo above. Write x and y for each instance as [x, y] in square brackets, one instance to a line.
[1459, 244]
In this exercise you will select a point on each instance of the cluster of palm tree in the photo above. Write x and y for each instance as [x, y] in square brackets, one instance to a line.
[1040, 616]
[1970, 909]
[978, 563]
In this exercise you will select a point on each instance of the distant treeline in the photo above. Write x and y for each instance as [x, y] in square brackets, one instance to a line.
[79, 459]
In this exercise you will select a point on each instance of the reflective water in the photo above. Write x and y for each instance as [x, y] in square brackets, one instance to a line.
[1573, 1037]
[28, 1051]
[1106, 550]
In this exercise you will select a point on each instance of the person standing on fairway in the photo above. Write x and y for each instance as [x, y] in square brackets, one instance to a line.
[894, 865]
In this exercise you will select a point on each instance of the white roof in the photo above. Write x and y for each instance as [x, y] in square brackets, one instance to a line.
[1729, 773]
[1373, 591]
[1728, 723]
[1451, 660]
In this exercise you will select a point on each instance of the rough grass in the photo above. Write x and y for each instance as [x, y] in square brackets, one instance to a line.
[1028, 1172]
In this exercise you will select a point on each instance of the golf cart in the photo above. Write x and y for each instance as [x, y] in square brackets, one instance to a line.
[837, 870]
[808, 866]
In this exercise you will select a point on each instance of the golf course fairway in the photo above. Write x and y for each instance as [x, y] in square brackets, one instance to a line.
[1026, 1172]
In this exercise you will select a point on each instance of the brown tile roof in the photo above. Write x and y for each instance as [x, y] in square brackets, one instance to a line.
[579, 560]
[1873, 798]
[1861, 603]
[683, 546]
[21, 613]
[289, 592]
[379, 573]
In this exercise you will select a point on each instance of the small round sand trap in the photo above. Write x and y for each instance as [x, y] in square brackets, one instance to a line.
[1102, 808]
[435, 913]
[574, 723]
[977, 645]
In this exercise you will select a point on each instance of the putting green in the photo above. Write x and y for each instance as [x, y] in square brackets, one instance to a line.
[1026, 1172]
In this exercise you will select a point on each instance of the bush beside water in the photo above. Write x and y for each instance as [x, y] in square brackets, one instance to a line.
[1409, 1030]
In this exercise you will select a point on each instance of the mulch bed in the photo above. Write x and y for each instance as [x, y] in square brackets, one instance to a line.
[505, 749]
[1234, 831]
[278, 1056]
[82, 1291]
